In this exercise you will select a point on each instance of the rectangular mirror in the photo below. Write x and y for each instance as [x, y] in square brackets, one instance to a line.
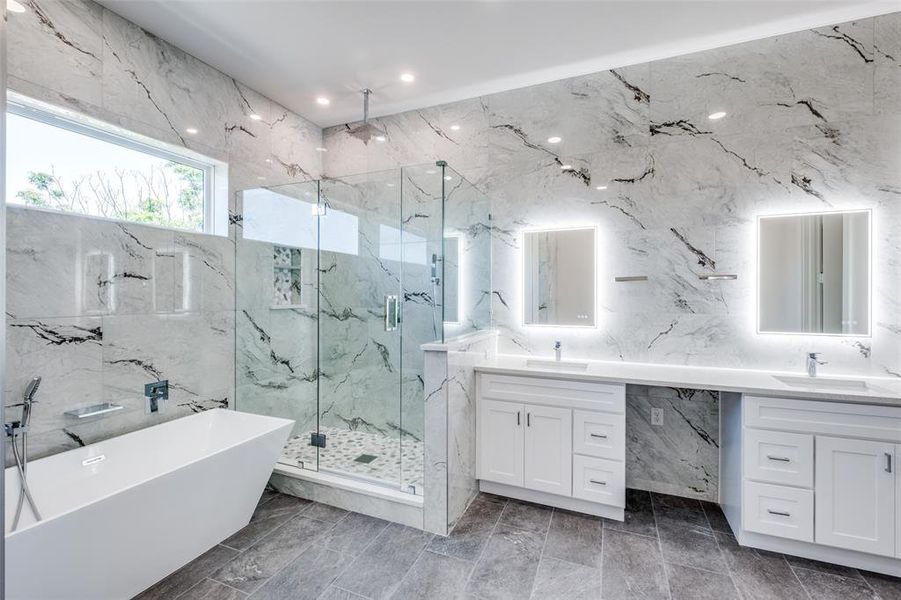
[451, 279]
[559, 277]
[813, 273]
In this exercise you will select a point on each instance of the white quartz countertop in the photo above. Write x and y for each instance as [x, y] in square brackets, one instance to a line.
[869, 390]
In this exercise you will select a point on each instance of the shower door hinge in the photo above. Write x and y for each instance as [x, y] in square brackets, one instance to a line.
[317, 439]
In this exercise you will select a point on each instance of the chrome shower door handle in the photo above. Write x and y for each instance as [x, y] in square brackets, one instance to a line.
[392, 312]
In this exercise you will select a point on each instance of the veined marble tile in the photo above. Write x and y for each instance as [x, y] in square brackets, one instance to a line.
[887, 58]
[167, 88]
[585, 111]
[58, 45]
[66, 353]
[680, 458]
[767, 84]
[142, 348]
[204, 273]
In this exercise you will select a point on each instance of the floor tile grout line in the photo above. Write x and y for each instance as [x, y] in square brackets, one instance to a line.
[484, 546]
[541, 554]
[798, 579]
[669, 590]
[409, 570]
[719, 548]
[302, 550]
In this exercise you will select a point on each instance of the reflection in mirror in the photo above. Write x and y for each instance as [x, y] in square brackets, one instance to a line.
[814, 273]
[451, 279]
[559, 277]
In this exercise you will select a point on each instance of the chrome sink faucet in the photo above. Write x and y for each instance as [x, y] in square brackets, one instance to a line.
[812, 363]
[558, 351]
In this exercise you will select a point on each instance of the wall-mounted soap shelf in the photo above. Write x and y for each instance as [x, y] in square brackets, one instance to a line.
[95, 410]
[718, 277]
[630, 278]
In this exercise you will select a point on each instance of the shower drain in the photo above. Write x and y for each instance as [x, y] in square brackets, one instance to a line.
[365, 458]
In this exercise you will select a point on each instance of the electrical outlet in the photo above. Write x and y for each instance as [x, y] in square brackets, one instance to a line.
[657, 416]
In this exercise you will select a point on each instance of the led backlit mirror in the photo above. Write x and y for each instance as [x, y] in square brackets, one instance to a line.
[814, 273]
[451, 279]
[559, 277]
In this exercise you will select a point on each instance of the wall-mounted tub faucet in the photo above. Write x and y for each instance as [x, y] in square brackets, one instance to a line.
[558, 351]
[154, 392]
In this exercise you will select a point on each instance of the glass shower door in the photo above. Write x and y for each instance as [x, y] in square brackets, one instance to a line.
[360, 312]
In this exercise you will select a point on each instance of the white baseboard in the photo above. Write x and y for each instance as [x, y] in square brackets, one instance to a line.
[839, 556]
[583, 506]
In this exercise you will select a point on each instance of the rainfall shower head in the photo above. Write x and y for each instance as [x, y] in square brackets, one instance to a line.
[366, 130]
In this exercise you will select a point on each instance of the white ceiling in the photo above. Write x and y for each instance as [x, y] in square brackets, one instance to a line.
[294, 51]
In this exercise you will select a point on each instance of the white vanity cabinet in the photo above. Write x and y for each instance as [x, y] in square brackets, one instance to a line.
[555, 441]
[815, 478]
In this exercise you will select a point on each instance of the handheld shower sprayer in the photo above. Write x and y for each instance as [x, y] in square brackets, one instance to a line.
[19, 429]
[28, 400]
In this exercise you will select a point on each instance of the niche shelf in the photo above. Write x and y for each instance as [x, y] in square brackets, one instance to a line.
[286, 278]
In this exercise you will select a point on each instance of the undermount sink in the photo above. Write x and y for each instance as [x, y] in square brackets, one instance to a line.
[566, 365]
[821, 382]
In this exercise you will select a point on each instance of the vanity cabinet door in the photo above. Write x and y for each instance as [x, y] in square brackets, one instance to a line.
[855, 495]
[501, 426]
[548, 449]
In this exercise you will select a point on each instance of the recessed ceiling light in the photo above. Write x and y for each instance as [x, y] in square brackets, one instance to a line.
[323, 101]
[191, 130]
[447, 177]
[430, 172]
[321, 149]
[260, 177]
[601, 187]
[554, 139]
[407, 77]
[255, 117]
[268, 160]
[390, 184]
[717, 115]
[15, 7]
[566, 167]
[455, 127]
[380, 138]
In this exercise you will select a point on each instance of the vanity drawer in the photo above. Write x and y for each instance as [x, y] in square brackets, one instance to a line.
[599, 434]
[778, 457]
[777, 510]
[588, 395]
[599, 480]
[861, 421]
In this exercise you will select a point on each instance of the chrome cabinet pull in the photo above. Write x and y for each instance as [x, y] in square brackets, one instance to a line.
[596, 482]
[528, 419]
[598, 435]
[517, 418]
[778, 513]
[779, 458]
[888, 462]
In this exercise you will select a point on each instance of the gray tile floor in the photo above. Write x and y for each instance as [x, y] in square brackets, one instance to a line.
[668, 548]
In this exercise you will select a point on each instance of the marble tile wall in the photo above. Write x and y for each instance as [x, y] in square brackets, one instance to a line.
[168, 312]
[813, 124]
[450, 427]
[682, 456]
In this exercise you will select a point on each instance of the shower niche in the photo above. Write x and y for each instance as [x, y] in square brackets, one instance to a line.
[287, 277]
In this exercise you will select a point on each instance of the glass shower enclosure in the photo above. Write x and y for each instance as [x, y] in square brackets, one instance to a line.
[339, 283]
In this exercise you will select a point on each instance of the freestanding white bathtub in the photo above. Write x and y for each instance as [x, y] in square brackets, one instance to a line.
[121, 514]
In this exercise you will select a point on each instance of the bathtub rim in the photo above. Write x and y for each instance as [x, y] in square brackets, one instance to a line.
[277, 423]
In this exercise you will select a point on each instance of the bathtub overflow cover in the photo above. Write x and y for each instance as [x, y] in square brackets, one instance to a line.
[93, 460]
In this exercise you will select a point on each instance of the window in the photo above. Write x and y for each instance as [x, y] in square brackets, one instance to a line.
[63, 162]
